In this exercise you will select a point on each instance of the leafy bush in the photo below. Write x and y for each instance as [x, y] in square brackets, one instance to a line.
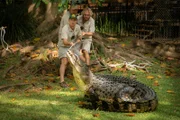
[20, 24]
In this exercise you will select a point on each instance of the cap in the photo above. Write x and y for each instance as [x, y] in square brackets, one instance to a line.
[73, 16]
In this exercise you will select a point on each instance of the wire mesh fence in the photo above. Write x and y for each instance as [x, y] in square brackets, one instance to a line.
[158, 19]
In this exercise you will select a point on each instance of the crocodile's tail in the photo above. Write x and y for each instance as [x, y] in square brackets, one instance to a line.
[114, 105]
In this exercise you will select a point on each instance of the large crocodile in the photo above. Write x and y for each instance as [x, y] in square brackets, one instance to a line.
[112, 93]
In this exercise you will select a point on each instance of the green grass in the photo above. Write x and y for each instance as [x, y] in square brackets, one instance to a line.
[62, 104]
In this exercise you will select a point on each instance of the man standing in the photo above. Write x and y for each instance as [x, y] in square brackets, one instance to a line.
[65, 18]
[71, 34]
[87, 24]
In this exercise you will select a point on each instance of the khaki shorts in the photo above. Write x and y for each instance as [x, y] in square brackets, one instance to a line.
[86, 44]
[63, 50]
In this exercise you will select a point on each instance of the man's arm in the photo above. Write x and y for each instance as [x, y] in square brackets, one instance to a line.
[92, 29]
[79, 38]
[87, 33]
[67, 43]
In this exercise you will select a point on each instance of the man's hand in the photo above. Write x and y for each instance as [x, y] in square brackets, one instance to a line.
[87, 33]
[72, 44]
[78, 41]
[83, 33]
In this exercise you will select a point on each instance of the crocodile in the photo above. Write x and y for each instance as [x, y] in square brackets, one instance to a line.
[110, 92]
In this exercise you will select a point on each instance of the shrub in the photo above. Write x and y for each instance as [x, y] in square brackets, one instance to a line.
[20, 24]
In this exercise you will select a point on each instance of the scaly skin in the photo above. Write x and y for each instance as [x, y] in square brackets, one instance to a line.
[112, 93]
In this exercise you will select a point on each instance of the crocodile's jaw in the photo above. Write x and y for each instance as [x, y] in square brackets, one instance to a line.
[81, 73]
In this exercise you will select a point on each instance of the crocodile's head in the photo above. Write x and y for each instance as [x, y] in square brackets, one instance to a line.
[81, 72]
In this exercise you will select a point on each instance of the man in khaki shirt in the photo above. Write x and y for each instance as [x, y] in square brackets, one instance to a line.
[65, 18]
[87, 24]
[71, 34]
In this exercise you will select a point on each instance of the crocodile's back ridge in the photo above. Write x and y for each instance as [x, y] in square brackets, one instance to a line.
[117, 93]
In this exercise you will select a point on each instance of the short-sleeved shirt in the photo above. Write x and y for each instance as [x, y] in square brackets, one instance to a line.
[88, 26]
[71, 36]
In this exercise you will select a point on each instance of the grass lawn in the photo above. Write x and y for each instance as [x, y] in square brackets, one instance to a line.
[56, 103]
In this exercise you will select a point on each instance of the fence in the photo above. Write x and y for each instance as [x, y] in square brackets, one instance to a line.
[152, 20]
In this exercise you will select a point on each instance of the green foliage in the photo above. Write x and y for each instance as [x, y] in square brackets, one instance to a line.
[20, 24]
[106, 26]
[9, 2]
[63, 4]
[37, 2]
[46, 1]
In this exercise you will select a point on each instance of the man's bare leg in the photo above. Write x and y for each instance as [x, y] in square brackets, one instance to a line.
[87, 57]
[64, 62]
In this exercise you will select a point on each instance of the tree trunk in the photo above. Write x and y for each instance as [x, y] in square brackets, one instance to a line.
[47, 18]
